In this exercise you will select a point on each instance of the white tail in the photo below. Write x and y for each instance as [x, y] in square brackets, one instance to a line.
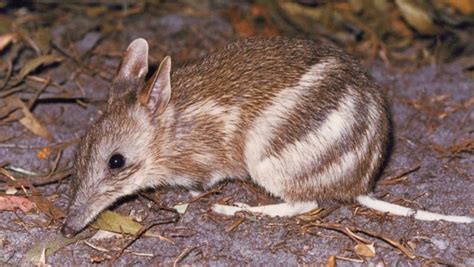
[395, 209]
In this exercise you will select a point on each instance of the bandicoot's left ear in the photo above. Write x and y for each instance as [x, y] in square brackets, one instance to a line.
[134, 66]
[157, 92]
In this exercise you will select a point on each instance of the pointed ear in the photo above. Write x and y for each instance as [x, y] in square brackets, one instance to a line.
[134, 66]
[157, 92]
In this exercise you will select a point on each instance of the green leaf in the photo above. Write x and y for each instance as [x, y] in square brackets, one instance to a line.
[117, 223]
[52, 245]
[114, 222]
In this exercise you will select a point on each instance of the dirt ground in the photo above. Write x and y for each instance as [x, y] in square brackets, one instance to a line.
[433, 116]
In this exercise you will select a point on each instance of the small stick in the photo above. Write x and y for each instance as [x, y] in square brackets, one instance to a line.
[145, 228]
[344, 229]
[349, 259]
[43, 80]
[10, 91]
[96, 247]
[205, 194]
[53, 145]
[234, 225]
[392, 179]
[40, 181]
[160, 207]
[183, 255]
[33, 99]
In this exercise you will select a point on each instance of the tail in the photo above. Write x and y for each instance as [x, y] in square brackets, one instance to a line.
[395, 209]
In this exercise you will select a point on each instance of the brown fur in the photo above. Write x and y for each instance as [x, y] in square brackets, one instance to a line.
[191, 142]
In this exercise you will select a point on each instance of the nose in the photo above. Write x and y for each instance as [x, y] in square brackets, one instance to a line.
[67, 231]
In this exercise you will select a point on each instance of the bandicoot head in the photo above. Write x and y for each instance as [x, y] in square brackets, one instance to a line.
[116, 157]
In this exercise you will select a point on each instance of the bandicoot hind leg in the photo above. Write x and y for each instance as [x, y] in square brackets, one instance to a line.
[281, 209]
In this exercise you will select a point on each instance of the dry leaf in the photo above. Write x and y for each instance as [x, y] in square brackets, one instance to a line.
[95, 11]
[466, 7]
[43, 39]
[365, 250]
[181, 208]
[6, 39]
[11, 191]
[42, 260]
[102, 234]
[331, 261]
[43, 153]
[242, 26]
[49, 208]
[11, 203]
[304, 17]
[417, 17]
[29, 120]
[33, 64]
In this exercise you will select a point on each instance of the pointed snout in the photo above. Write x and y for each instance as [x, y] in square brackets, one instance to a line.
[72, 225]
[68, 231]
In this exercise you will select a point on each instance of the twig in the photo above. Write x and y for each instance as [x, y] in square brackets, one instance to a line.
[43, 80]
[349, 259]
[145, 228]
[96, 247]
[10, 91]
[234, 225]
[79, 63]
[317, 214]
[343, 229]
[39, 181]
[33, 99]
[160, 207]
[183, 255]
[205, 194]
[395, 178]
[62, 144]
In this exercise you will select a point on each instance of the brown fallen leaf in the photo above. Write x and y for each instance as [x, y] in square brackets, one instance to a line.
[33, 64]
[29, 120]
[417, 16]
[241, 24]
[6, 39]
[466, 7]
[11, 203]
[42, 260]
[48, 208]
[44, 153]
[365, 250]
[331, 261]
[42, 37]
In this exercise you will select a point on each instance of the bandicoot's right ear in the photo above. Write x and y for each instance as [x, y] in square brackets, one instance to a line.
[157, 92]
[134, 66]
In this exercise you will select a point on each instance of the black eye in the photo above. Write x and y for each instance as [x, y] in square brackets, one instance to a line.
[117, 161]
